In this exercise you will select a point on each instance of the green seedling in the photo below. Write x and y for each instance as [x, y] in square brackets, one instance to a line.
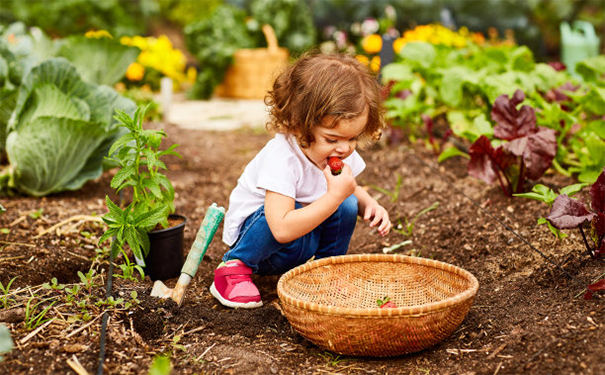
[408, 230]
[5, 230]
[394, 195]
[128, 269]
[331, 359]
[5, 298]
[88, 279]
[53, 285]
[110, 302]
[36, 214]
[546, 195]
[33, 318]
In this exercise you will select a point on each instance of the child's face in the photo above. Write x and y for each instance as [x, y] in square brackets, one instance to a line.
[339, 141]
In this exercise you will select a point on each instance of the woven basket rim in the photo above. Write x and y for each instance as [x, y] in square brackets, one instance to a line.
[398, 312]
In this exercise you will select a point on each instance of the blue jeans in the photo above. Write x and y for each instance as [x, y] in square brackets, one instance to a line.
[259, 250]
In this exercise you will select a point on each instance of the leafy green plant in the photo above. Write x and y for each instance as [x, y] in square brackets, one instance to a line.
[60, 130]
[568, 213]
[138, 155]
[213, 41]
[525, 151]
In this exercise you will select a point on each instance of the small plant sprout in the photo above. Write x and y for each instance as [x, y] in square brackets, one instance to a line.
[5, 298]
[568, 213]
[36, 214]
[408, 230]
[88, 279]
[33, 317]
[394, 195]
[128, 269]
[547, 195]
[53, 285]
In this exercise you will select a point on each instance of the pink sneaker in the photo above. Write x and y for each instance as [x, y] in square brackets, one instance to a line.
[233, 286]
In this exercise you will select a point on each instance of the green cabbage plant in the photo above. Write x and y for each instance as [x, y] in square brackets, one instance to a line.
[60, 130]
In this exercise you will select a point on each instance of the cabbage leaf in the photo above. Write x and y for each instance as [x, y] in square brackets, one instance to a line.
[61, 129]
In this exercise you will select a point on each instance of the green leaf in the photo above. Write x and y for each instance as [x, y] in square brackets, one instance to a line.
[102, 61]
[121, 142]
[450, 152]
[151, 218]
[124, 173]
[420, 53]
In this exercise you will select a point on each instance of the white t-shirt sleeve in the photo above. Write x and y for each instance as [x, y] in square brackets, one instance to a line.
[279, 175]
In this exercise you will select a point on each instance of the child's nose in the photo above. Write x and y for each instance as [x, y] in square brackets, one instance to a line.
[343, 147]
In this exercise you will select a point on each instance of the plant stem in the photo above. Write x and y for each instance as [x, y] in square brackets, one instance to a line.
[521, 178]
[590, 251]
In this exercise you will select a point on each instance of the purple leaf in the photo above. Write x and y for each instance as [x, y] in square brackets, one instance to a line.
[596, 287]
[481, 165]
[538, 151]
[597, 193]
[567, 213]
[512, 123]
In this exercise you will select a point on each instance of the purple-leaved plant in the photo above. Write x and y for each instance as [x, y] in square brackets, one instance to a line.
[526, 152]
[568, 213]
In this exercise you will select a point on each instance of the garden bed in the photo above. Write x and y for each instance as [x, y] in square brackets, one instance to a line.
[528, 316]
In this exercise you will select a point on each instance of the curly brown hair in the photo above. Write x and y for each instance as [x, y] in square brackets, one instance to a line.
[319, 85]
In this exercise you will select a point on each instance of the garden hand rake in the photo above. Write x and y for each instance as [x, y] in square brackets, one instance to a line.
[214, 216]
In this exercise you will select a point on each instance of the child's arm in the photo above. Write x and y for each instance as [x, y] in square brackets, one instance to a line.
[287, 223]
[370, 209]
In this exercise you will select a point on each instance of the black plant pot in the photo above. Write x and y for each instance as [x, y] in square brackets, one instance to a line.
[165, 259]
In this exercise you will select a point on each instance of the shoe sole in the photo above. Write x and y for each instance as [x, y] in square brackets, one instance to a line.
[235, 305]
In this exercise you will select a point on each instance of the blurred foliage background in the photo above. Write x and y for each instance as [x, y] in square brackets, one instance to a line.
[299, 23]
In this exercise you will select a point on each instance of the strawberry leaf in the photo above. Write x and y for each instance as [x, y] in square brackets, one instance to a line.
[567, 213]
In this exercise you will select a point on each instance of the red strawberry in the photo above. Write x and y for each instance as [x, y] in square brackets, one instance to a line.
[385, 303]
[388, 305]
[335, 165]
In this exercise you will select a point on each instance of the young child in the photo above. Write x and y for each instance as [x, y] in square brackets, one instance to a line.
[287, 206]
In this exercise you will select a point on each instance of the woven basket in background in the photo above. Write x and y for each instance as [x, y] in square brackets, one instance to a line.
[253, 71]
[332, 302]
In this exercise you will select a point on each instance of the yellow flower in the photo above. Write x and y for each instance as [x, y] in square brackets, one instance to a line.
[372, 43]
[375, 64]
[135, 72]
[363, 59]
[398, 44]
[98, 34]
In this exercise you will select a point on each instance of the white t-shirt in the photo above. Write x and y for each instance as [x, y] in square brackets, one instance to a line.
[283, 168]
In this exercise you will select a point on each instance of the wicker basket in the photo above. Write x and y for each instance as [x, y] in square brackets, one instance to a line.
[253, 70]
[332, 302]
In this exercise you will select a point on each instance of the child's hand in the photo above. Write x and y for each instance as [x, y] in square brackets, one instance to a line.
[342, 185]
[378, 216]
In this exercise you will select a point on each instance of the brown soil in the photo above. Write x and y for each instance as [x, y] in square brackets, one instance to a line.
[528, 316]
